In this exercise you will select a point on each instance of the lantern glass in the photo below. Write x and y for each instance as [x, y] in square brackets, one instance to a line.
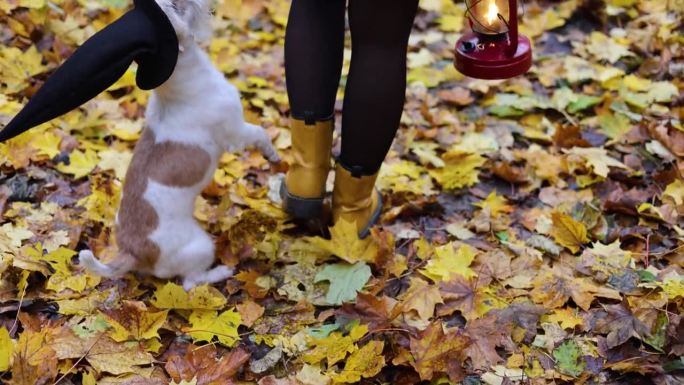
[486, 16]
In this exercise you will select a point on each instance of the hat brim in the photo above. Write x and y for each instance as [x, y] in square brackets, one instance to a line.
[144, 35]
[155, 68]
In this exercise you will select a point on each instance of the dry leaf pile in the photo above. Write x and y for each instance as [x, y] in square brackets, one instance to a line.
[532, 233]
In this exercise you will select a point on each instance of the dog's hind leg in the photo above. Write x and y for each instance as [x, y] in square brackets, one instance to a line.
[194, 260]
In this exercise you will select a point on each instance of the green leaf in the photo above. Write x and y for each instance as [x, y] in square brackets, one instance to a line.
[569, 359]
[615, 125]
[582, 103]
[345, 281]
[658, 337]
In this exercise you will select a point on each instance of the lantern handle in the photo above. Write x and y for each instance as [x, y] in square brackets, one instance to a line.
[512, 28]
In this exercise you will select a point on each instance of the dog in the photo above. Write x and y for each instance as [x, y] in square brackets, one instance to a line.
[192, 119]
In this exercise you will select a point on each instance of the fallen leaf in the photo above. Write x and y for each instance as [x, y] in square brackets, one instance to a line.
[345, 281]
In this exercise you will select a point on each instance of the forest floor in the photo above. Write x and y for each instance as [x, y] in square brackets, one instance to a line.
[531, 234]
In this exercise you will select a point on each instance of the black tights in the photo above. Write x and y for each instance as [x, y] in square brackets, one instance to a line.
[376, 86]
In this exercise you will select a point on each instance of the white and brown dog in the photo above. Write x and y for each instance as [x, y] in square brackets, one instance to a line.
[192, 119]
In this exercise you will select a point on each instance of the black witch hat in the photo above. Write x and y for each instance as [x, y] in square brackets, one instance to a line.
[144, 35]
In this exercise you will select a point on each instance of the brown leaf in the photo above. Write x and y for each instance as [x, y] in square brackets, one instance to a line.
[249, 278]
[376, 312]
[250, 312]
[620, 324]
[485, 335]
[203, 363]
[461, 294]
[568, 136]
[421, 298]
[435, 352]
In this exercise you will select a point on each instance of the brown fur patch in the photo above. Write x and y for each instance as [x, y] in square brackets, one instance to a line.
[169, 163]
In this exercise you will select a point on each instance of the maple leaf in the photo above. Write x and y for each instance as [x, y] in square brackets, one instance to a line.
[110, 356]
[345, 281]
[495, 204]
[207, 324]
[597, 158]
[134, 321]
[604, 260]
[374, 311]
[203, 365]
[463, 295]
[421, 298]
[485, 334]
[333, 348]
[172, 296]
[363, 363]
[620, 324]
[460, 170]
[569, 358]
[435, 352]
[568, 232]
[345, 243]
[567, 318]
[446, 262]
[34, 359]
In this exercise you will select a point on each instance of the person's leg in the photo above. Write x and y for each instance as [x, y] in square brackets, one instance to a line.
[314, 49]
[376, 87]
[373, 103]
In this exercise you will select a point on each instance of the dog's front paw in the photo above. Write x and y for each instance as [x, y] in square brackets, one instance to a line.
[267, 150]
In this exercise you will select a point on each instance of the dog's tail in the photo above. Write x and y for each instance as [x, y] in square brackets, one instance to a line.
[124, 263]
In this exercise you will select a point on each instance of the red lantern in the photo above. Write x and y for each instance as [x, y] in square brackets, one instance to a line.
[493, 50]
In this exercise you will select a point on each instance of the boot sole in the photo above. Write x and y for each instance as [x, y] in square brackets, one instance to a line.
[301, 208]
[373, 219]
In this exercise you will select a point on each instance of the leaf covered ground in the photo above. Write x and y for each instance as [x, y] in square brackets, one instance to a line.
[532, 232]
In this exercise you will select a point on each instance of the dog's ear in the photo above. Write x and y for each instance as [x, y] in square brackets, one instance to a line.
[190, 17]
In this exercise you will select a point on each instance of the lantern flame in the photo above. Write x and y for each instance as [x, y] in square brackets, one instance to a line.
[492, 12]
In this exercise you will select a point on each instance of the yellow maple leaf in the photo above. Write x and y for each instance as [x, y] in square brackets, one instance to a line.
[567, 318]
[446, 262]
[363, 363]
[172, 296]
[460, 170]
[345, 243]
[568, 232]
[6, 349]
[47, 143]
[333, 348]
[66, 278]
[207, 324]
[496, 204]
[80, 163]
[135, 322]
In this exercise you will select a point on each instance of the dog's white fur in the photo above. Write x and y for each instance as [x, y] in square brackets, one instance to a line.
[196, 106]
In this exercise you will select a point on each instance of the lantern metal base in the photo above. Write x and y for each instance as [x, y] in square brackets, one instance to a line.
[486, 57]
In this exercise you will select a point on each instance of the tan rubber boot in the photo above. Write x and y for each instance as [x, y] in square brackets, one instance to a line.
[356, 200]
[303, 192]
